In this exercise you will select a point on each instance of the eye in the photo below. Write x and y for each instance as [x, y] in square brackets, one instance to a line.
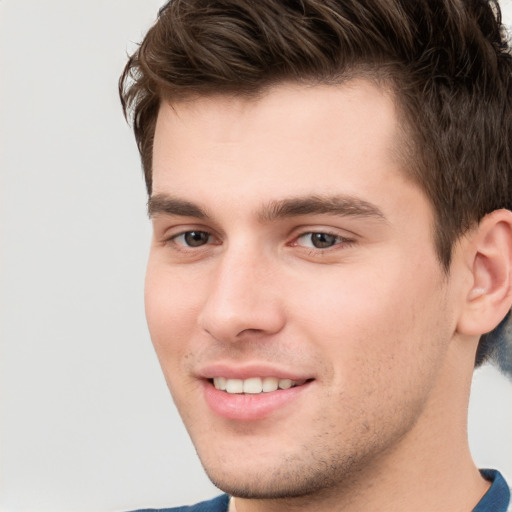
[192, 238]
[319, 240]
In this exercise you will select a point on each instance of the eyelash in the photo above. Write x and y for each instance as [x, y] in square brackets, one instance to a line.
[173, 240]
[339, 240]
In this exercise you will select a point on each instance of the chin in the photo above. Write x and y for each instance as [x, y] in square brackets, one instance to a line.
[249, 488]
[284, 479]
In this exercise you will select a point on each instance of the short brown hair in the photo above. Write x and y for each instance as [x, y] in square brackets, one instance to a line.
[447, 62]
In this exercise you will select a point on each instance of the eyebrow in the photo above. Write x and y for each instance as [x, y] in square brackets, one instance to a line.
[168, 205]
[340, 205]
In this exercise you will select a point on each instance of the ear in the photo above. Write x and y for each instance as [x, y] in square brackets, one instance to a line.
[489, 254]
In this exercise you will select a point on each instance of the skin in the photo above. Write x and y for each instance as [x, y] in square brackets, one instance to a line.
[372, 321]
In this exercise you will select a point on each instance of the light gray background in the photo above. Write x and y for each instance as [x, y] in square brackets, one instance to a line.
[86, 420]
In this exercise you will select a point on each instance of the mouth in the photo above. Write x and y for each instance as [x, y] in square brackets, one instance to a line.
[254, 385]
[253, 398]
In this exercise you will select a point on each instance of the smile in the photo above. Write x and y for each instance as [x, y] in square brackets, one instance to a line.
[254, 385]
[253, 398]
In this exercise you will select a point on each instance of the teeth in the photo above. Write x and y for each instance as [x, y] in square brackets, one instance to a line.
[285, 384]
[234, 385]
[270, 384]
[254, 385]
[220, 383]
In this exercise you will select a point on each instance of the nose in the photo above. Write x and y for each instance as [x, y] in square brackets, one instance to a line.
[243, 299]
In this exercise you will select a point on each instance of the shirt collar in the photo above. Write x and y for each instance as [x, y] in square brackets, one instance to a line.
[497, 498]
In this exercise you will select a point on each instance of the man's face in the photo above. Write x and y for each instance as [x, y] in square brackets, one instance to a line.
[290, 249]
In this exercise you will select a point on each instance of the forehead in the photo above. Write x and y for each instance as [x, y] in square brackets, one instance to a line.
[292, 139]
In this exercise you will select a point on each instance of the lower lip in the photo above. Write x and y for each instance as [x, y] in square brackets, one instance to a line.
[247, 407]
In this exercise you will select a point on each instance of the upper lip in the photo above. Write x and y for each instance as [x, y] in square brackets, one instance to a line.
[249, 370]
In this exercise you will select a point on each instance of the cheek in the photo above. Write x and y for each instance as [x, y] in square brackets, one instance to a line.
[378, 328]
[170, 311]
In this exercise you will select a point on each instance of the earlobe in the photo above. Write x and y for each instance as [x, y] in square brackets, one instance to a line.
[490, 254]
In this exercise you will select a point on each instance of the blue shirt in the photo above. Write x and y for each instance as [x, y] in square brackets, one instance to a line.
[496, 499]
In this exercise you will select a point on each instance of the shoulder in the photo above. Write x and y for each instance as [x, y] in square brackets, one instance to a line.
[218, 504]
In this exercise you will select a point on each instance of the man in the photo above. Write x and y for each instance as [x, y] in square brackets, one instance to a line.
[329, 186]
